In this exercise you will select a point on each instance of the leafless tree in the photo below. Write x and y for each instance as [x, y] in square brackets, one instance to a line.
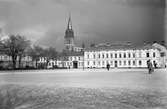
[15, 47]
[50, 53]
[36, 52]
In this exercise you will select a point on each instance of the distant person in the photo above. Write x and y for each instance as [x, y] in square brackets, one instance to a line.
[150, 67]
[155, 64]
[108, 66]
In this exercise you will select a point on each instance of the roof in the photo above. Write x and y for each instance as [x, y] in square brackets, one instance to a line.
[119, 47]
[65, 54]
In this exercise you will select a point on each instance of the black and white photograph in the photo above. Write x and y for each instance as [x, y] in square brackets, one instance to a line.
[83, 54]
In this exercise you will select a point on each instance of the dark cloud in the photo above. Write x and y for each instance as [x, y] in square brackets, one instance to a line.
[44, 21]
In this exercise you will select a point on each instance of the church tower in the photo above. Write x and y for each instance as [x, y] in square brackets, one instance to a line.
[69, 36]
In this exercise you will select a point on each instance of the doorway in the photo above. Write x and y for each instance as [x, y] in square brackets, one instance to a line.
[116, 64]
[75, 64]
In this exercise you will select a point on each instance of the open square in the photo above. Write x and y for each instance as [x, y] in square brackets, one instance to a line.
[90, 89]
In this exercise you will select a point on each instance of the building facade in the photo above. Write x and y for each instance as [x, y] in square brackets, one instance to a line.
[118, 55]
[122, 56]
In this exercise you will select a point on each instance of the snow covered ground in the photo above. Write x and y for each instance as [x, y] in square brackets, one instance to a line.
[88, 89]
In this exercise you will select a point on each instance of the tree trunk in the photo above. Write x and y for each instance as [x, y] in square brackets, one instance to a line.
[14, 61]
[36, 63]
[47, 62]
[20, 58]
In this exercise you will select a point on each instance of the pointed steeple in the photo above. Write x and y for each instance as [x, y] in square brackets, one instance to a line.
[69, 26]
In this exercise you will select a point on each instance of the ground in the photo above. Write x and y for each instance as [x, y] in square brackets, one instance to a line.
[84, 89]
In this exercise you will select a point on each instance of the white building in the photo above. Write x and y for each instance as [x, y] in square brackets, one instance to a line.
[121, 56]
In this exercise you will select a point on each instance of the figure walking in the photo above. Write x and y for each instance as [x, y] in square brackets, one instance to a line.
[150, 67]
[108, 66]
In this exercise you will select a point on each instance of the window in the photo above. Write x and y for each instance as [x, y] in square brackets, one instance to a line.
[120, 56]
[99, 63]
[147, 55]
[154, 55]
[134, 55]
[140, 54]
[129, 62]
[88, 56]
[106, 55]
[140, 62]
[103, 63]
[162, 54]
[129, 55]
[134, 62]
[94, 56]
[111, 62]
[88, 62]
[124, 62]
[79, 58]
[120, 62]
[49, 64]
[94, 63]
[103, 55]
[99, 55]
[111, 55]
[115, 55]
[124, 55]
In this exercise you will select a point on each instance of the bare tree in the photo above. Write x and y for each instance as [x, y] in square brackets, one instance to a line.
[36, 52]
[15, 46]
[50, 53]
[22, 49]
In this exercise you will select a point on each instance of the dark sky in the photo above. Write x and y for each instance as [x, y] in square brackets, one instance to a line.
[94, 21]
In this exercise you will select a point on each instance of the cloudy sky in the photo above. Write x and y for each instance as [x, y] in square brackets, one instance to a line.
[94, 21]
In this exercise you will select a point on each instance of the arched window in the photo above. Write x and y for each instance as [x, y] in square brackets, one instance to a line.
[124, 62]
[99, 55]
[129, 55]
[134, 55]
[99, 63]
[103, 62]
[120, 62]
[111, 55]
[120, 56]
[115, 55]
[88, 63]
[111, 62]
[129, 62]
[103, 55]
[94, 56]
[107, 55]
[154, 55]
[134, 62]
[140, 62]
[147, 55]
[94, 63]
[88, 56]
[124, 55]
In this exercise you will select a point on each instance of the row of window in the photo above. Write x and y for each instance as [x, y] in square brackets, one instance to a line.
[7, 58]
[71, 63]
[74, 58]
[129, 55]
[116, 63]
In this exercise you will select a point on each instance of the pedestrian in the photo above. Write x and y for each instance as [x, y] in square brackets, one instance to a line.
[150, 67]
[108, 66]
[155, 64]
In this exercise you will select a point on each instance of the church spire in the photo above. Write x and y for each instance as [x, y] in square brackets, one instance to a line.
[69, 26]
